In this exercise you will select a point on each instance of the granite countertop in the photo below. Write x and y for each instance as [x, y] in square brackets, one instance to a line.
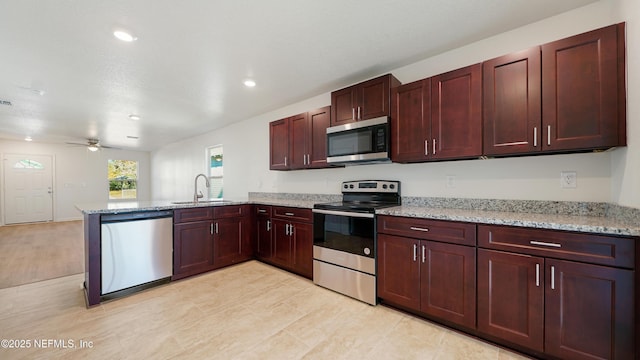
[605, 225]
[598, 218]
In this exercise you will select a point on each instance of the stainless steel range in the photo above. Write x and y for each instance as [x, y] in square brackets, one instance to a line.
[344, 240]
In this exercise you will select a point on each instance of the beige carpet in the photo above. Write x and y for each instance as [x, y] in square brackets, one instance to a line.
[35, 252]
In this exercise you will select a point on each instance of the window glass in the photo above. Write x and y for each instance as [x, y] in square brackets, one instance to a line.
[28, 164]
[215, 172]
[123, 179]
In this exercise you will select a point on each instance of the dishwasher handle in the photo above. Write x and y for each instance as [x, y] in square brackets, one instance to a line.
[133, 216]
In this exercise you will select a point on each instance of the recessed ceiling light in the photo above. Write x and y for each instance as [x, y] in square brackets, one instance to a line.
[134, 117]
[249, 83]
[28, 138]
[124, 36]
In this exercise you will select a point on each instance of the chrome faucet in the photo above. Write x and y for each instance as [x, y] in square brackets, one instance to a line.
[198, 194]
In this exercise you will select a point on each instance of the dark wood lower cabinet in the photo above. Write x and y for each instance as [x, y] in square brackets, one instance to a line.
[293, 246]
[511, 297]
[564, 309]
[231, 241]
[437, 279]
[589, 311]
[192, 248]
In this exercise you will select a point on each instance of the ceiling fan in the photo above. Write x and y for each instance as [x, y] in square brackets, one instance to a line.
[92, 145]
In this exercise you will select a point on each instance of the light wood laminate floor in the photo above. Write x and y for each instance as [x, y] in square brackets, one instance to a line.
[247, 311]
[36, 252]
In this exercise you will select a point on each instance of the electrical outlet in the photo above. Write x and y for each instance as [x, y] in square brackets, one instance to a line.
[568, 180]
[450, 181]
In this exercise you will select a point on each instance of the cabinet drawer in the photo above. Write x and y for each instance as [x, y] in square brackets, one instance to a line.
[597, 249]
[229, 211]
[292, 213]
[192, 214]
[262, 210]
[438, 230]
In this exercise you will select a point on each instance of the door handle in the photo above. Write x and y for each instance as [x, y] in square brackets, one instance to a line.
[268, 225]
[415, 252]
[424, 254]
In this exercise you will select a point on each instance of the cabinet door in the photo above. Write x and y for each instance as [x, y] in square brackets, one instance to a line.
[192, 248]
[227, 241]
[343, 106]
[263, 238]
[589, 311]
[511, 297]
[456, 113]
[580, 91]
[512, 103]
[319, 121]
[399, 271]
[410, 124]
[281, 243]
[298, 134]
[279, 145]
[374, 98]
[448, 282]
[303, 249]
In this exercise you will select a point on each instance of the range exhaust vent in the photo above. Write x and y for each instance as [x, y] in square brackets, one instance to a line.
[6, 102]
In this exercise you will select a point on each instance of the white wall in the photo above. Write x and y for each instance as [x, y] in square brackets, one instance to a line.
[79, 176]
[610, 176]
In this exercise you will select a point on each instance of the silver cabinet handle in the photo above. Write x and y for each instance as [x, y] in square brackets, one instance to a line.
[434, 147]
[424, 253]
[538, 275]
[426, 147]
[359, 117]
[211, 229]
[289, 214]
[285, 161]
[286, 229]
[415, 252]
[549, 135]
[291, 229]
[268, 225]
[353, 113]
[535, 136]
[217, 228]
[553, 277]
[419, 229]
[262, 210]
[542, 243]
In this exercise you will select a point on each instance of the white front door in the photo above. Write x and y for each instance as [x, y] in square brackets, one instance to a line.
[28, 188]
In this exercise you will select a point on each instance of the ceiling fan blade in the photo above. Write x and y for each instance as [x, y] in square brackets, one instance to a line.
[76, 144]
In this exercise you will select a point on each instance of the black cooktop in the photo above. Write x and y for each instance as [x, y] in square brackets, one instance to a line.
[365, 196]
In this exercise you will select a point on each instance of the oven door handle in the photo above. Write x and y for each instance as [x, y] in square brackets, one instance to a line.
[344, 213]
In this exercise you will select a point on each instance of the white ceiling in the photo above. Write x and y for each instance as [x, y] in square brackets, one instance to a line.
[184, 74]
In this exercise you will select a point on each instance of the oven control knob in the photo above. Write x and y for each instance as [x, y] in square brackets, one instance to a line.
[351, 186]
[367, 251]
[384, 186]
[346, 186]
[391, 186]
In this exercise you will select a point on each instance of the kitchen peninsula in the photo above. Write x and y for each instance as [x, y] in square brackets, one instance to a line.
[554, 252]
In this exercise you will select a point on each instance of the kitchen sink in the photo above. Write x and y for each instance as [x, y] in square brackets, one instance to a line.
[214, 201]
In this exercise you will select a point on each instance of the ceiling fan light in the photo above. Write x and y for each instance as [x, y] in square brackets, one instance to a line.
[93, 148]
[249, 83]
[28, 138]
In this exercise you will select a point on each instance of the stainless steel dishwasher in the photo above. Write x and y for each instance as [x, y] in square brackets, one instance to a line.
[136, 251]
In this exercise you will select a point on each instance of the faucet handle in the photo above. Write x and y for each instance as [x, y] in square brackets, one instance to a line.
[200, 195]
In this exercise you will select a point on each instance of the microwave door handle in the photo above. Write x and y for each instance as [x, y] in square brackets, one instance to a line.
[343, 213]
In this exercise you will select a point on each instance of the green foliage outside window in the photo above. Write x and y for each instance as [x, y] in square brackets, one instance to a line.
[123, 179]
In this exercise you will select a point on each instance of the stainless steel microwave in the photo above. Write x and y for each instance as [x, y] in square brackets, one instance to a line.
[359, 142]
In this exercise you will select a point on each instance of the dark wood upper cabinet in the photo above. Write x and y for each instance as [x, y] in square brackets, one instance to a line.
[366, 100]
[438, 118]
[512, 103]
[567, 95]
[279, 145]
[411, 122]
[318, 122]
[299, 141]
[456, 113]
[582, 98]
